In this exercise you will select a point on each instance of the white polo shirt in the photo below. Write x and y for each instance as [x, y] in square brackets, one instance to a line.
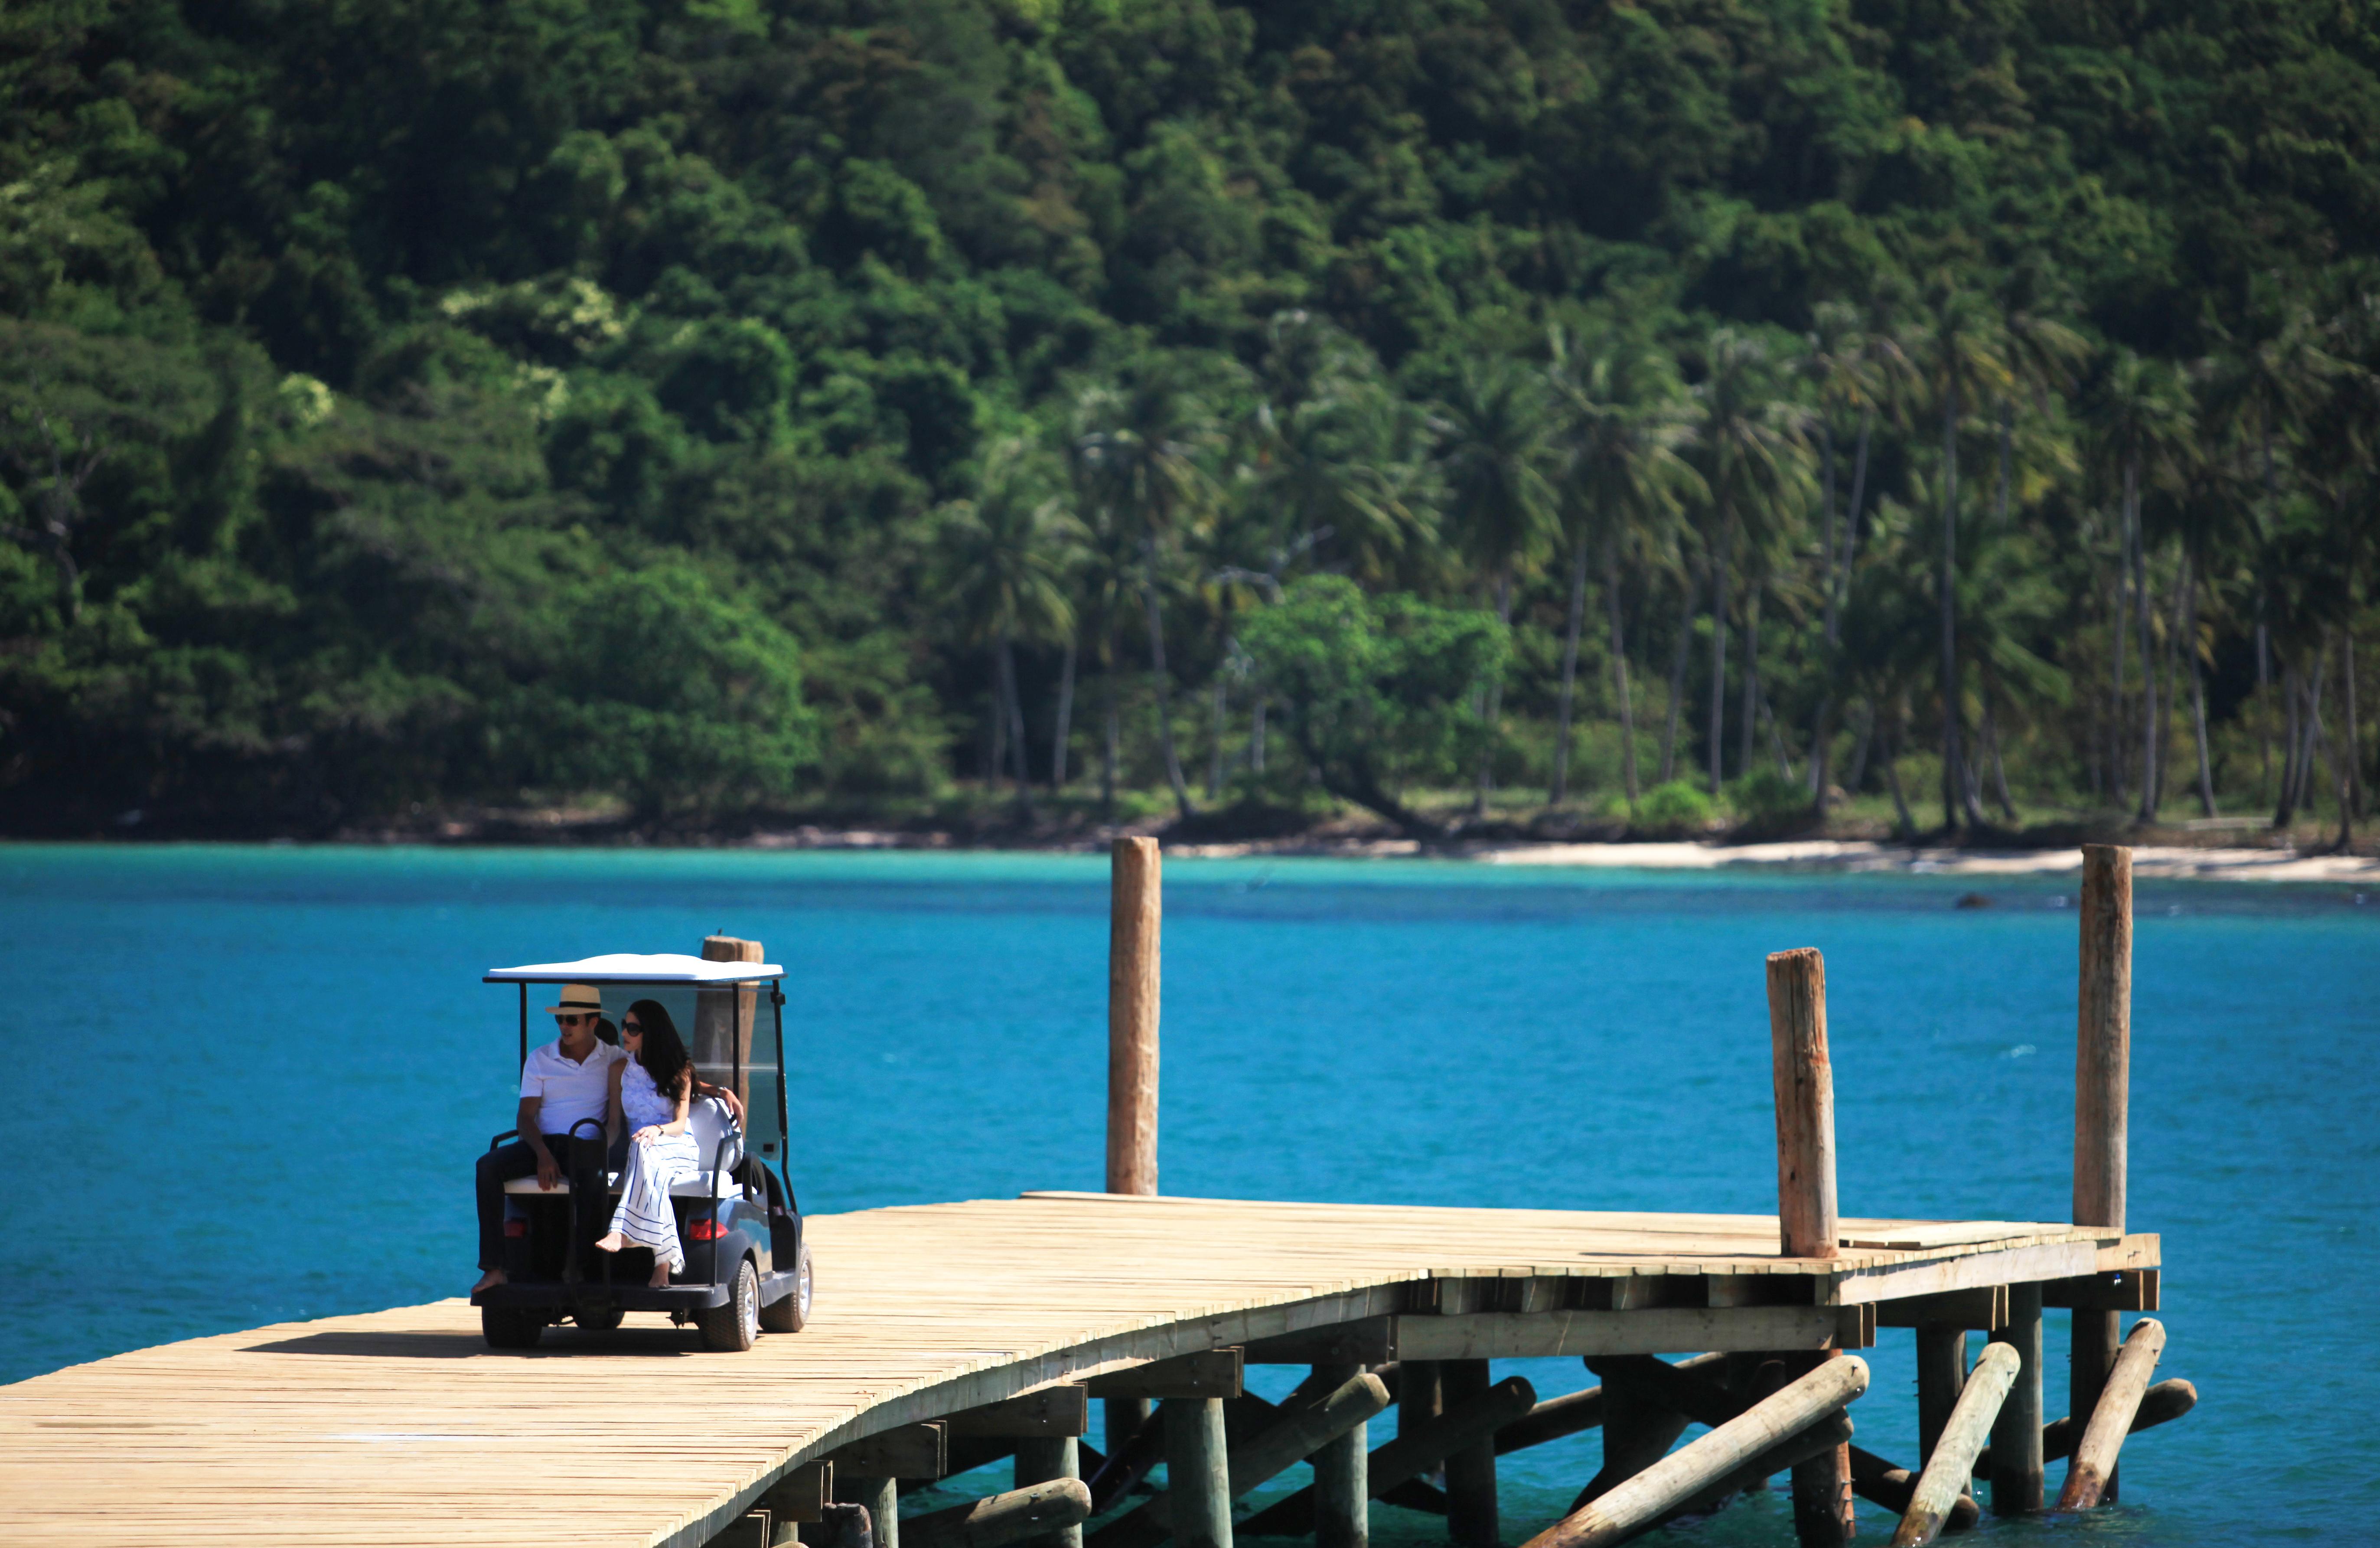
[568, 1089]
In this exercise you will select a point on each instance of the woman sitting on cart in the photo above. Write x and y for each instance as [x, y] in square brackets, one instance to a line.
[651, 1089]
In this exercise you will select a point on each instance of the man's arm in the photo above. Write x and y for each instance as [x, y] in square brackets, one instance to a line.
[549, 1171]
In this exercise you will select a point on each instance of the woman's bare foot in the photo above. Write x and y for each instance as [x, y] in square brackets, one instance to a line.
[489, 1281]
[611, 1243]
[661, 1279]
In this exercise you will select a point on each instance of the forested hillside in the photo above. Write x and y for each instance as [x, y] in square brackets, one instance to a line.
[1463, 409]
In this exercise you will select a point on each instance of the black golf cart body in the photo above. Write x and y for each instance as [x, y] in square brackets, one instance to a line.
[748, 1268]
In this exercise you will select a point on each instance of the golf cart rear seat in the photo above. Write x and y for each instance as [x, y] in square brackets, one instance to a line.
[710, 1121]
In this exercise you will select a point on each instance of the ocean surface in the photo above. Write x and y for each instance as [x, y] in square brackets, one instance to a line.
[249, 1084]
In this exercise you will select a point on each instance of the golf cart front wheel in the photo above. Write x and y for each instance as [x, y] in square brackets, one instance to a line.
[511, 1327]
[732, 1328]
[791, 1311]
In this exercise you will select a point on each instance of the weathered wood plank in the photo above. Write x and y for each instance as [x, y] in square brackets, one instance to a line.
[1944, 1481]
[2094, 1458]
[1134, 919]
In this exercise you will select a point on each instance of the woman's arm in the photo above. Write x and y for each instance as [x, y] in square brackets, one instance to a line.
[684, 1101]
[723, 1094]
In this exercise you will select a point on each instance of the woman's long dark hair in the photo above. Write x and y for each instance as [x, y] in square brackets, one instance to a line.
[663, 1053]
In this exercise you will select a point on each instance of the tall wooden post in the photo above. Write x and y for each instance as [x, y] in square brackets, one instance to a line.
[2016, 1433]
[1044, 1459]
[1804, 1080]
[2103, 1062]
[1198, 1481]
[1342, 1502]
[722, 1043]
[1471, 1471]
[1134, 914]
[883, 1498]
[1136, 908]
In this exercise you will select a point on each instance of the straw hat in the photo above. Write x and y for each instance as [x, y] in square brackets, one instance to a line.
[577, 999]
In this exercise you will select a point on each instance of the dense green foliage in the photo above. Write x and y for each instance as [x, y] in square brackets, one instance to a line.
[716, 404]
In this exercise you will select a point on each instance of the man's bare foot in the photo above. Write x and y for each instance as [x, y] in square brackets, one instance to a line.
[661, 1279]
[611, 1243]
[489, 1281]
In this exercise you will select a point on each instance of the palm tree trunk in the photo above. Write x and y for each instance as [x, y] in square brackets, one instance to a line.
[1217, 709]
[1164, 699]
[1677, 676]
[1892, 774]
[1111, 739]
[2197, 686]
[1570, 675]
[1866, 739]
[1999, 770]
[1257, 736]
[1851, 516]
[2172, 699]
[1015, 705]
[2007, 446]
[2147, 811]
[2285, 811]
[1826, 522]
[1750, 673]
[2119, 625]
[1952, 764]
[1718, 652]
[1065, 720]
[997, 759]
[2353, 756]
[1619, 671]
[1493, 708]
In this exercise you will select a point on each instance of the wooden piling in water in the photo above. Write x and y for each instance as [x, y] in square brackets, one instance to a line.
[1941, 1375]
[1742, 1444]
[1470, 1472]
[2016, 1432]
[1198, 1479]
[1051, 1459]
[1001, 1519]
[1342, 1499]
[880, 1497]
[1943, 1481]
[2094, 1458]
[1135, 913]
[2103, 1052]
[1807, 1225]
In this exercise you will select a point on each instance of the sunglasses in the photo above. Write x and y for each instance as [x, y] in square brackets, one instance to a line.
[629, 1027]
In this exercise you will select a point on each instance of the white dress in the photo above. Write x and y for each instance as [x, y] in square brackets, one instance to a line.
[644, 1216]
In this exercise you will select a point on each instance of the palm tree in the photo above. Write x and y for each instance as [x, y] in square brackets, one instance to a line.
[1960, 353]
[2140, 413]
[1495, 462]
[1755, 462]
[1625, 483]
[1004, 556]
[1138, 446]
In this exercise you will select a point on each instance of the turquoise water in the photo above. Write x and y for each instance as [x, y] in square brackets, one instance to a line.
[250, 1082]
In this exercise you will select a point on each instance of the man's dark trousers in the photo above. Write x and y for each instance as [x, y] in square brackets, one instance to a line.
[582, 1162]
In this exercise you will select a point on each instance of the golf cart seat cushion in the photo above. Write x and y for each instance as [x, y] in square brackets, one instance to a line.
[711, 1120]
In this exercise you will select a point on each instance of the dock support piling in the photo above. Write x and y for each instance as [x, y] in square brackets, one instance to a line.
[1806, 1223]
[881, 1499]
[1199, 1481]
[2016, 1432]
[1941, 1376]
[1342, 1496]
[1047, 1459]
[2095, 1454]
[1944, 1480]
[2103, 1055]
[1470, 1472]
[1134, 914]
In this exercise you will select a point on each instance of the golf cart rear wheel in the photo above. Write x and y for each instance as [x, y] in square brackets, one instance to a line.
[791, 1312]
[734, 1327]
[601, 1319]
[511, 1327]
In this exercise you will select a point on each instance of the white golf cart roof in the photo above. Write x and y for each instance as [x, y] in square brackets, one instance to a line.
[622, 967]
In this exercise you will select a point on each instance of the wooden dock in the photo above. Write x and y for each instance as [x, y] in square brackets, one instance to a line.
[947, 1337]
[402, 1428]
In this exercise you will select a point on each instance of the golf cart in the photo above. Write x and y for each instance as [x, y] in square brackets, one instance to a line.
[747, 1266]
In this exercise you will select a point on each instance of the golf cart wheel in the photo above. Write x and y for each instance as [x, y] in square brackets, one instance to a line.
[511, 1327]
[792, 1313]
[732, 1328]
[600, 1319]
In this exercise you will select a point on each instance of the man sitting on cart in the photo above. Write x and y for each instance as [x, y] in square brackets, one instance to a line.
[564, 1083]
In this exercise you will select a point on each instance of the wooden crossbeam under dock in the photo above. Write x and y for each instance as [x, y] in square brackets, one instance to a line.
[402, 1427]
